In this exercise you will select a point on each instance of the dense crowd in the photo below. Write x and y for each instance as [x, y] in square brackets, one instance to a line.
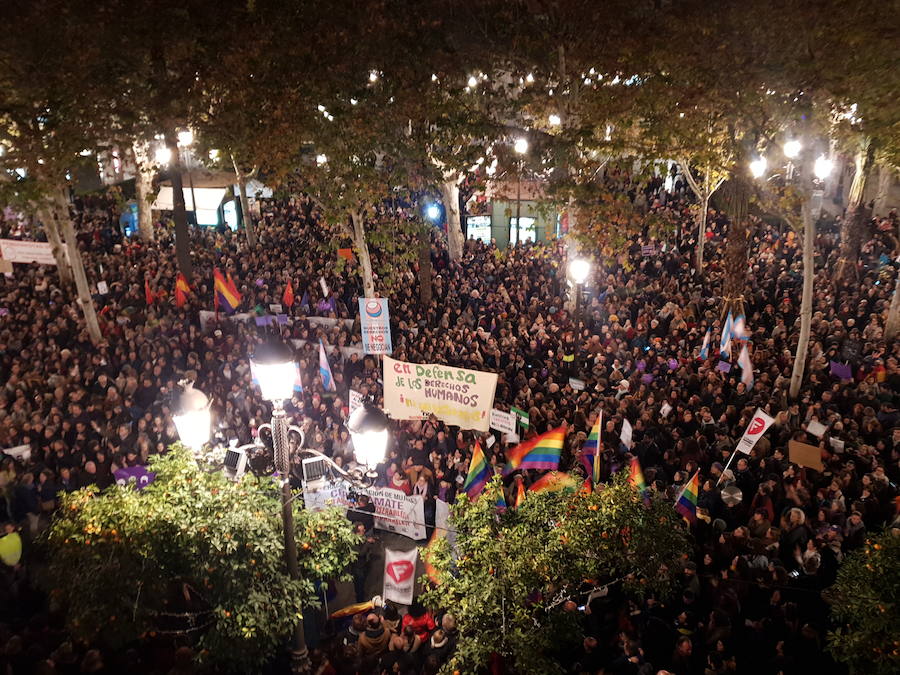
[750, 597]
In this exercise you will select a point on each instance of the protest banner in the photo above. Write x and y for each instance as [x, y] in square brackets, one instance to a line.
[16, 251]
[400, 575]
[395, 511]
[375, 325]
[576, 384]
[757, 427]
[805, 455]
[457, 396]
[503, 421]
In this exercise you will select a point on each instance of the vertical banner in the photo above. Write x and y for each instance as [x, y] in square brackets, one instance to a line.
[375, 325]
[757, 427]
[457, 396]
[400, 575]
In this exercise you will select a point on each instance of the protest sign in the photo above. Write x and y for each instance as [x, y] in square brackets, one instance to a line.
[356, 400]
[626, 434]
[375, 325]
[400, 575]
[16, 251]
[503, 421]
[576, 384]
[457, 396]
[757, 427]
[102, 288]
[19, 452]
[805, 455]
[816, 428]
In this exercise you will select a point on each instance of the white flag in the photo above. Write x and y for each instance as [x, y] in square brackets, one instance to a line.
[625, 436]
[746, 367]
[755, 430]
[400, 575]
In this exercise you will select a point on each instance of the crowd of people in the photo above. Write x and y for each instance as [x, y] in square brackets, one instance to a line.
[750, 597]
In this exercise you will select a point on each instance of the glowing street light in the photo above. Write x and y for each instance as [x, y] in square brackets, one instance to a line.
[193, 420]
[433, 212]
[163, 155]
[185, 137]
[472, 81]
[373, 76]
[555, 120]
[758, 167]
[529, 78]
[579, 268]
[368, 427]
[792, 149]
[823, 166]
[214, 154]
[321, 159]
[521, 146]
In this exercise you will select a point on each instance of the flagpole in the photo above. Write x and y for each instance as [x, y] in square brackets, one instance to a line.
[730, 459]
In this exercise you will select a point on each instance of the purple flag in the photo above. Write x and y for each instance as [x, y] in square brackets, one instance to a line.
[841, 370]
[646, 378]
[724, 366]
[139, 474]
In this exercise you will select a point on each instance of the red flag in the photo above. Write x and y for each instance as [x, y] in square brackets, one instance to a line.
[288, 298]
[181, 290]
[148, 294]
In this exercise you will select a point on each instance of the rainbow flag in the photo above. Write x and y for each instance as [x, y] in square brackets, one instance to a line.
[636, 476]
[478, 473]
[431, 570]
[520, 493]
[590, 451]
[501, 502]
[541, 452]
[686, 504]
[226, 293]
[555, 481]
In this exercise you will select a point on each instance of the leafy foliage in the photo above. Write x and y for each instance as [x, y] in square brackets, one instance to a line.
[516, 570]
[193, 556]
[866, 599]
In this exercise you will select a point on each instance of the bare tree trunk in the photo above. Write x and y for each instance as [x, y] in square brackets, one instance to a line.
[450, 197]
[143, 184]
[701, 235]
[425, 291]
[362, 249]
[857, 215]
[51, 227]
[84, 299]
[806, 300]
[885, 178]
[246, 218]
[737, 200]
[182, 233]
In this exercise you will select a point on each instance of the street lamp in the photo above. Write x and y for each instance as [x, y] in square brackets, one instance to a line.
[579, 268]
[521, 147]
[275, 370]
[192, 419]
[758, 167]
[368, 427]
[792, 149]
[822, 168]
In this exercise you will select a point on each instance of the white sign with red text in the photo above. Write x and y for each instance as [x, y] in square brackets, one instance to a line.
[757, 427]
[400, 575]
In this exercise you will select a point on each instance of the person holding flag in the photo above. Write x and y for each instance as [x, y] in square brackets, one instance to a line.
[325, 369]
[149, 296]
[478, 475]
[686, 504]
[590, 450]
[704, 348]
[725, 343]
[541, 452]
[181, 290]
[226, 293]
[746, 367]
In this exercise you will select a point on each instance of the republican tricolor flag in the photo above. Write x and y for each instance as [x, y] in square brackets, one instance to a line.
[226, 293]
[181, 290]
